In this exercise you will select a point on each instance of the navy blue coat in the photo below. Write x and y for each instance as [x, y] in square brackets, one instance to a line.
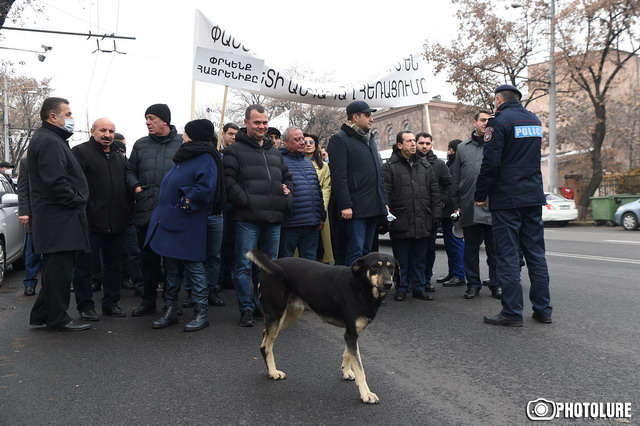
[510, 173]
[173, 231]
[356, 178]
[308, 205]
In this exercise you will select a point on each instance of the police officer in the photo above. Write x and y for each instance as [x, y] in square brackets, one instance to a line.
[510, 176]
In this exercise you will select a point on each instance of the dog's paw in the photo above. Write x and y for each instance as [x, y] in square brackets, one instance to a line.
[277, 375]
[348, 375]
[370, 398]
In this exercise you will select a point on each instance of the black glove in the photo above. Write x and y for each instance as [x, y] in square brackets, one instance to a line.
[437, 223]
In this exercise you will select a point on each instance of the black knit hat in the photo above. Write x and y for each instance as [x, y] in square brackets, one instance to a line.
[200, 130]
[161, 111]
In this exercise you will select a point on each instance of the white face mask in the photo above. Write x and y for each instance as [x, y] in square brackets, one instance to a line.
[7, 172]
[69, 124]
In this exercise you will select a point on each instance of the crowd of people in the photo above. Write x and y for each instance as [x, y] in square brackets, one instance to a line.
[182, 210]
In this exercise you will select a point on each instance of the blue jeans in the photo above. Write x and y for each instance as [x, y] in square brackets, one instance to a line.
[264, 236]
[303, 238]
[516, 229]
[195, 276]
[31, 263]
[359, 235]
[214, 250]
[455, 249]
[411, 254]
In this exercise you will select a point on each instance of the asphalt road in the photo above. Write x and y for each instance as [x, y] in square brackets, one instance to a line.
[431, 363]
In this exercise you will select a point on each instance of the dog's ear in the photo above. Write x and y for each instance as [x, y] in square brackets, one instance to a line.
[396, 273]
[357, 266]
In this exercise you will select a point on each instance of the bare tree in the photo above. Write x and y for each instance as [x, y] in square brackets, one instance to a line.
[13, 11]
[25, 96]
[490, 50]
[597, 39]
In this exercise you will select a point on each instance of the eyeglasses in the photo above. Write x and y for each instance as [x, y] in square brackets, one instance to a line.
[311, 142]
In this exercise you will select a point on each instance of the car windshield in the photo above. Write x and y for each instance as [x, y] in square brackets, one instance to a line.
[555, 197]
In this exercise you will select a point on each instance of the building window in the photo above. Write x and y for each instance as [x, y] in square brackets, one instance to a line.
[391, 137]
[406, 126]
[376, 137]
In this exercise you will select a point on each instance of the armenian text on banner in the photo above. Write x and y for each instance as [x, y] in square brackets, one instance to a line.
[406, 83]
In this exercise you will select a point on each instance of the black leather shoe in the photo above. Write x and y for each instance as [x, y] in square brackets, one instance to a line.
[496, 292]
[545, 320]
[29, 291]
[422, 295]
[444, 279]
[116, 311]
[429, 288]
[400, 296]
[246, 318]
[486, 283]
[215, 300]
[500, 320]
[89, 315]
[169, 317]
[454, 282]
[471, 293]
[200, 319]
[74, 326]
[143, 309]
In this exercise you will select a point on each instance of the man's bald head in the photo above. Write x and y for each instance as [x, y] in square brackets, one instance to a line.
[103, 131]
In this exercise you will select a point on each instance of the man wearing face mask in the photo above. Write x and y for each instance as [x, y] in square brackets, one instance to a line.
[5, 170]
[59, 195]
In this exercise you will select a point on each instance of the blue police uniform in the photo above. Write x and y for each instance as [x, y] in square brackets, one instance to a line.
[510, 176]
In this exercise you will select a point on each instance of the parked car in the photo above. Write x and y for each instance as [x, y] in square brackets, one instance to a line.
[559, 209]
[12, 233]
[627, 215]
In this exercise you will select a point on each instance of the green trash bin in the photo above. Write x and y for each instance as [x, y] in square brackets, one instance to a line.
[603, 209]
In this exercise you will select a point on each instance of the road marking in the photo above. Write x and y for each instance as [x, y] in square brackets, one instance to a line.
[622, 241]
[587, 257]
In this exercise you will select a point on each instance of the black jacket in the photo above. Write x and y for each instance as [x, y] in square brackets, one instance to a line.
[254, 176]
[356, 179]
[24, 200]
[59, 193]
[413, 194]
[443, 176]
[151, 158]
[110, 203]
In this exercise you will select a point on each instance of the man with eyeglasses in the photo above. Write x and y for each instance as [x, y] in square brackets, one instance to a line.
[306, 217]
[357, 185]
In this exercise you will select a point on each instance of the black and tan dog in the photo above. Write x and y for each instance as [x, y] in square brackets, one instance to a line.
[347, 297]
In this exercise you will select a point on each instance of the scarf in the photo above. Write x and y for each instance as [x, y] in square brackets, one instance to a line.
[192, 149]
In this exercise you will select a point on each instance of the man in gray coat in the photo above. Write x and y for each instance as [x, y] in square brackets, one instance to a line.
[59, 194]
[475, 220]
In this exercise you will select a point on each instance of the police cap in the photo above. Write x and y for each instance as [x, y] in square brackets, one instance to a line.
[508, 87]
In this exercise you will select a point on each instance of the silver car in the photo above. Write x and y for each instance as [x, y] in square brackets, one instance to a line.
[627, 215]
[12, 233]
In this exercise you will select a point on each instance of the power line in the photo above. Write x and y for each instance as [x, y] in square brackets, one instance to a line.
[88, 35]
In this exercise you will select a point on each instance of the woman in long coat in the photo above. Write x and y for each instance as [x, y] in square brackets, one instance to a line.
[178, 226]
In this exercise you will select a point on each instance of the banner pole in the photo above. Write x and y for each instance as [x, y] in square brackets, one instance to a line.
[193, 99]
[224, 107]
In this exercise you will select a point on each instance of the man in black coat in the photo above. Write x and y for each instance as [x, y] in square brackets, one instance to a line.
[425, 144]
[109, 210]
[59, 194]
[151, 158]
[357, 187]
[258, 185]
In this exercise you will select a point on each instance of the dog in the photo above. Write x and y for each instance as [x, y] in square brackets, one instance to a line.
[343, 296]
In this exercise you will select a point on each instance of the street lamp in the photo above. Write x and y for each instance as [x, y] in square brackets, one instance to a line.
[553, 141]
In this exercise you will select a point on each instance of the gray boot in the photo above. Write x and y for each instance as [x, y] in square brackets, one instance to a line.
[169, 316]
[200, 318]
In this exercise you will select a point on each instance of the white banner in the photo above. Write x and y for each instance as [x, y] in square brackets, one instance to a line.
[228, 69]
[406, 83]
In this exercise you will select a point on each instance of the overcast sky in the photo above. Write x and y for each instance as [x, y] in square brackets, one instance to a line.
[349, 40]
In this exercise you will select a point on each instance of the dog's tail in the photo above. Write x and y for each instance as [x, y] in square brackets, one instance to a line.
[265, 263]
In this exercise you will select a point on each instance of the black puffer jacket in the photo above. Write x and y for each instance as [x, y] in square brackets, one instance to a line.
[413, 194]
[443, 176]
[151, 158]
[110, 202]
[254, 176]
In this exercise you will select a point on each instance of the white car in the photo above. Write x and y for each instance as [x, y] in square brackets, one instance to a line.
[12, 233]
[559, 209]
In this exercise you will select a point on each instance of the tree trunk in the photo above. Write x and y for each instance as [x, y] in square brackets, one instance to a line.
[597, 138]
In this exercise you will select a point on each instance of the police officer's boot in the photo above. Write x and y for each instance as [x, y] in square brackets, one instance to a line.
[200, 318]
[169, 316]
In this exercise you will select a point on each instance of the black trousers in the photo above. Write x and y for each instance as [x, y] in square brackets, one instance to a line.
[51, 306]
[151, 269]
[474, 235]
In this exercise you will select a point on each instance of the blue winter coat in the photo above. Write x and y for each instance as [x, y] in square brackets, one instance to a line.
[176, 232]
[308, 205]
[510, 173]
